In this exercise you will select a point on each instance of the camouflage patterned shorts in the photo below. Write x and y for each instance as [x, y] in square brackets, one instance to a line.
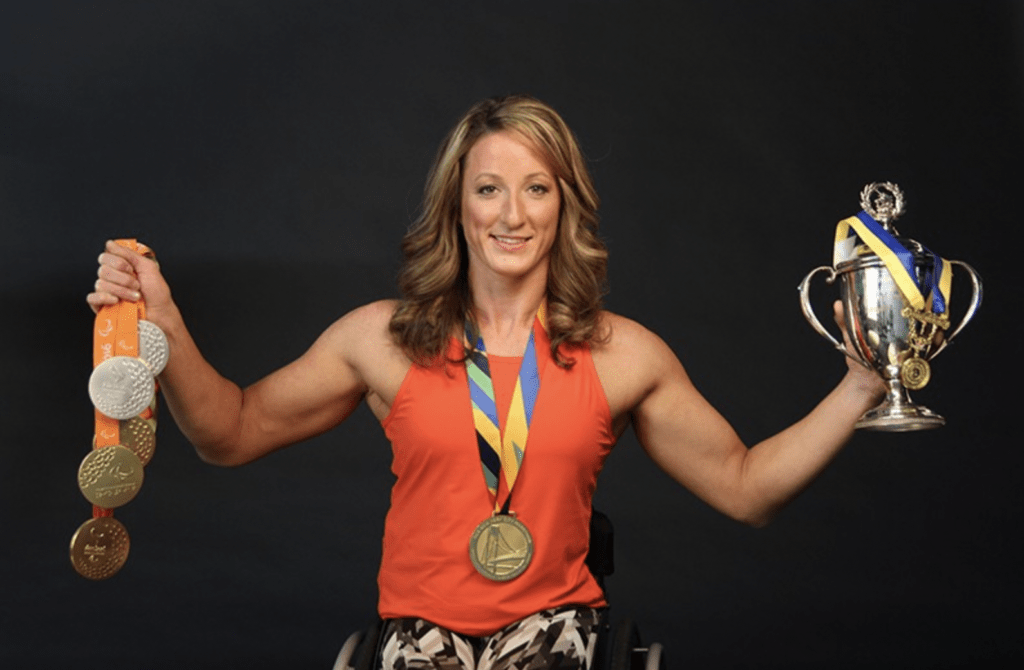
[563, 638]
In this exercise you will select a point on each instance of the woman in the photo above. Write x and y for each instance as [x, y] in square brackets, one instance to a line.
[504, 258]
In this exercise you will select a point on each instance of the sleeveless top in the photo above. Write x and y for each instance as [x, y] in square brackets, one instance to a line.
[440, 496]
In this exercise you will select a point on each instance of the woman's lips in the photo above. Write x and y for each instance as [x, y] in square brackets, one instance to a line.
[510, 243]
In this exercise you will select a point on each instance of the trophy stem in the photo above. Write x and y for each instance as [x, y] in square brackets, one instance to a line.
[897, 413]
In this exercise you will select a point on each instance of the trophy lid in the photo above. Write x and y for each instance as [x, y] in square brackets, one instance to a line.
[885, 203]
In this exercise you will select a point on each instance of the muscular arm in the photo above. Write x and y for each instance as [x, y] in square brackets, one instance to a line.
[696, 446]
[229, 425]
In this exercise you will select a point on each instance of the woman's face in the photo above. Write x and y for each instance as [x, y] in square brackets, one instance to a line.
[510, 207]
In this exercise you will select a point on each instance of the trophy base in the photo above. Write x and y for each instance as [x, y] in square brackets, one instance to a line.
[897, 413]
[898, 418]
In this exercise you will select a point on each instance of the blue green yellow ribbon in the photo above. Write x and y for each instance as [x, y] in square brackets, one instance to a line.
[502, 451]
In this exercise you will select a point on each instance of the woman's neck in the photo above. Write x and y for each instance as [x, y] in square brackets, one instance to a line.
[505, 311]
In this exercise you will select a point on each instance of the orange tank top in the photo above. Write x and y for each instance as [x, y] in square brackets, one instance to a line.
[440, 496]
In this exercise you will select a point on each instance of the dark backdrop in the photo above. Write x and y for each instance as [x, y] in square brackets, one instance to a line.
[274, 152]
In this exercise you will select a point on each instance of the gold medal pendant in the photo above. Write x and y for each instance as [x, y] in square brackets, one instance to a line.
[501, 548]
[915, 373]
[925, 327]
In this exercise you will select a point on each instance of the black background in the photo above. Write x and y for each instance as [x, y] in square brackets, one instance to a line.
[273, 154]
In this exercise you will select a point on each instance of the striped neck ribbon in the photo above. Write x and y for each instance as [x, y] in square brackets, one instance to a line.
[503, 451]
[937, 281]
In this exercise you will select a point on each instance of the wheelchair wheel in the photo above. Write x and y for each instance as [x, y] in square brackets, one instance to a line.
[344, 661]
[655, 657]
[625, 638]
[360, 649]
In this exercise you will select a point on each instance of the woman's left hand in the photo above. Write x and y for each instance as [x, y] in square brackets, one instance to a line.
[861, 376]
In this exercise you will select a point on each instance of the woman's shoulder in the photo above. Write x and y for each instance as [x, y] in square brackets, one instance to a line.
[372, 315]
[620, 333]
[626, 343]
[363, 327]
[629, 358]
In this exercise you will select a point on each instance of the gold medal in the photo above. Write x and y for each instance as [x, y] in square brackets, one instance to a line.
[915, 373]
[99, 548]
[138, 435]
[110, 477]
[501, 548]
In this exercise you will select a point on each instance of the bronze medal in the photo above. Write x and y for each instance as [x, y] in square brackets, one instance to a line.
[110, 476]
[99, 548]
[501, 548]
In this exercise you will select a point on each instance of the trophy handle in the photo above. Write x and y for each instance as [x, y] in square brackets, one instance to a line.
[805, 305]
[976, 294]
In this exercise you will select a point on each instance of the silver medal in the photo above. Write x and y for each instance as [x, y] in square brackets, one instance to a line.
[153, 348]
[121, 387]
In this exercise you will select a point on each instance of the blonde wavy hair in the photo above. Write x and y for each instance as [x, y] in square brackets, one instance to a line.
[434, 278]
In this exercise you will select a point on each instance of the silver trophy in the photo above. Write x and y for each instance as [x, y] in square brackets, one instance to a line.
[887, 334]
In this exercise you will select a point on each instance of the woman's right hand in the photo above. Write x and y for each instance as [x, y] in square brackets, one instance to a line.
[124, 274]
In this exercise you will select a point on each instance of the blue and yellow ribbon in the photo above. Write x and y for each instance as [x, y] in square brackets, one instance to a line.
[503, 452]
[938, 280]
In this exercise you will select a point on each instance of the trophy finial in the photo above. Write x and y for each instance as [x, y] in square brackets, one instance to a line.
[883, 201]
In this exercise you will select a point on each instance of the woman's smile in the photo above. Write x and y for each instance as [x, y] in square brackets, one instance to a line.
[509, 243]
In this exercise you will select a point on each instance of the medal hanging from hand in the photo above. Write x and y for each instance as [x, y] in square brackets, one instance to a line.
[128, 353]
[501, 547]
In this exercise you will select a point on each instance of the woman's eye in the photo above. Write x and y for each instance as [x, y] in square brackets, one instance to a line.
[538, 189]
[486, 189]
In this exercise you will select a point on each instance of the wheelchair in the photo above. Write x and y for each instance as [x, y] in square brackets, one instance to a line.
[619, 646]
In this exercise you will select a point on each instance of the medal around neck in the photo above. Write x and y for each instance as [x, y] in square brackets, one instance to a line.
[501, 548]
[895, 295]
